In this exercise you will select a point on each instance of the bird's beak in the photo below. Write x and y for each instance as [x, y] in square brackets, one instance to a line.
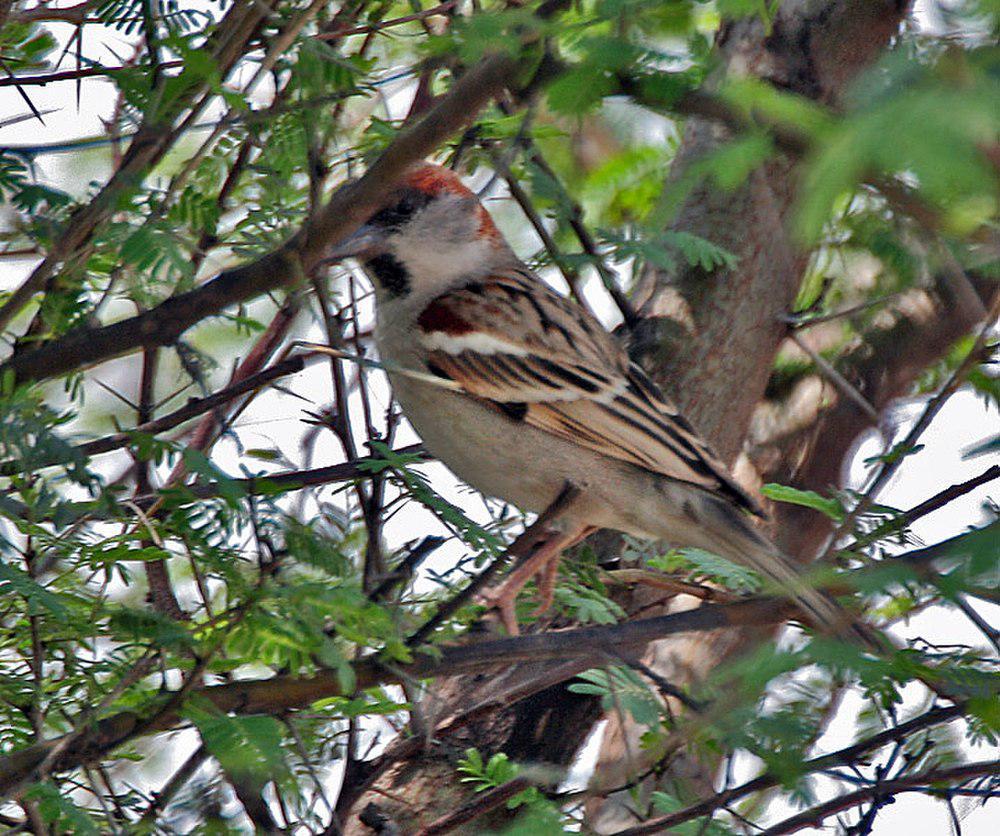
[364, 243]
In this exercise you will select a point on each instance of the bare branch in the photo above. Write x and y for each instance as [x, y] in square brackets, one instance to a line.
[939, 500]
[482, 803]
[343, 32]
[836, 378]
[192, 409]
[883, 789]
[889, 467]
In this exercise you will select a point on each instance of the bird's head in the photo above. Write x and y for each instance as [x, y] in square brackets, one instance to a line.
[430, 233]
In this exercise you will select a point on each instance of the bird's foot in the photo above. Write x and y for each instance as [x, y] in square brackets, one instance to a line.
[503, 601]
[547, 575]
[543, 564]
[504, 598]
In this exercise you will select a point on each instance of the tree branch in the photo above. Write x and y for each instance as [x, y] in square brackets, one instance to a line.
[889, 466]
[583, 647]
[192, 409]
[846, 755]
[482, 803]
[574, 649]
[346, 210]
[883, 789]
[154, 138]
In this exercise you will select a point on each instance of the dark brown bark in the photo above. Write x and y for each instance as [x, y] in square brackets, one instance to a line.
[715, 344]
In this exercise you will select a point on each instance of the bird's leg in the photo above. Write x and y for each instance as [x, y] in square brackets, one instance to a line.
[538, 546]
[546, 555]
[549, 572]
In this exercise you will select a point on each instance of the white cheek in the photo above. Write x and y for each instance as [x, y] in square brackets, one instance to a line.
[441, 263]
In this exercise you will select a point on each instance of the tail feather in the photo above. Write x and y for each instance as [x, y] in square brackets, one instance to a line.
[817, 607]
[736, 540]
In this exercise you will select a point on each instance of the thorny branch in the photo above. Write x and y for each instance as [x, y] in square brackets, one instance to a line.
[586, 646]
[192, 409]
[285, 480]
[891, 465]
[154, 138]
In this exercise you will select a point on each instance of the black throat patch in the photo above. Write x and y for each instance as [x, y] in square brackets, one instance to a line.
[390, 273]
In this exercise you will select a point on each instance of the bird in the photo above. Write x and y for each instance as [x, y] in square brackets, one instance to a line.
[522, 393]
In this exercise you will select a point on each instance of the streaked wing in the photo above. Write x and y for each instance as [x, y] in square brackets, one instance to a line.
[542, 359]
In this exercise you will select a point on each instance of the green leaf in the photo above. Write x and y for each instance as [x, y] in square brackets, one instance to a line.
[145, 625]
[712, 567]
[978, 556]
[244, 746]
[658, 248]
[732, 163]
[40, 600]
[940, 116]
[664, 803]
[759, 99]
[620, 689]
[898, 451]
[580, 90]
[486, 775]
[56, 809]
[810, 499]
[986, 710]
[472, 533]
[587, 605]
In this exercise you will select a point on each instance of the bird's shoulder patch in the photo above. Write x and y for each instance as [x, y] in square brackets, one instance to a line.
[439, 315]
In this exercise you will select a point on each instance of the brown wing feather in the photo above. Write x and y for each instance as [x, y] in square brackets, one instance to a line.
[511, 340]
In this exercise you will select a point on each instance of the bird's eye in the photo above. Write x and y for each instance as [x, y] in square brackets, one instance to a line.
[399, 213]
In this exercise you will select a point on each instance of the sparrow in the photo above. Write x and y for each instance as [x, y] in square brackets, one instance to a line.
[521, 392]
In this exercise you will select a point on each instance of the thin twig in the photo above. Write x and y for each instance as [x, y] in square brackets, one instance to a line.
[988, 630]
[889, 468]
[434, 11]
[849, 754]
[569, 274]
[346, 210]
[934, 503]
[661, 580]
[587, 243]
[840, 383]
[154, 138]
[882, 789]
[520, 548]
[803, 321]
[192, 409]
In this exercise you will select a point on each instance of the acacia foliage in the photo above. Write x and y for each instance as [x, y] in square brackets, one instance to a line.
[132, 580]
